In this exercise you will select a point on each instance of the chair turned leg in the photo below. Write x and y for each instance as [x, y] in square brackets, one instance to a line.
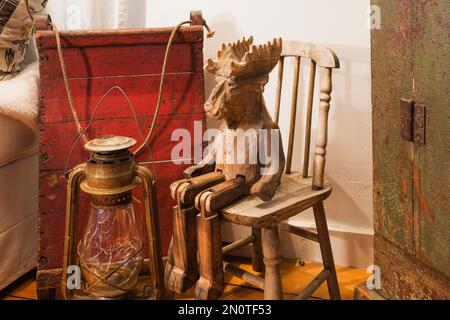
[210, 284]
[325, 248]
[183, 272]
[257, 254]
[273, 289]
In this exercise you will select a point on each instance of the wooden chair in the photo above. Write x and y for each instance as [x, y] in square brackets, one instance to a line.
[297, 192]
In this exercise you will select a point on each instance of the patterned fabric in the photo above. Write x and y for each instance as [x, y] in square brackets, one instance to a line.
[16, 29]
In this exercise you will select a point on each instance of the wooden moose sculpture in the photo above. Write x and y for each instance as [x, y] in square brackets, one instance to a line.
[246, 157]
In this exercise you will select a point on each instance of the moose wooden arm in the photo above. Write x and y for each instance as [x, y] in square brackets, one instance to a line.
[266, 187]
[198, 170]
[206, 165]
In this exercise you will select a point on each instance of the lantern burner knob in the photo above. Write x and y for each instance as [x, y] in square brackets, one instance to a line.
[109, 144]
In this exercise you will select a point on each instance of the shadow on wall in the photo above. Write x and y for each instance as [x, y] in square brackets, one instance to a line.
[338, 212]
[350, 148]
[349, 160]
[349, 249]
[349, 154]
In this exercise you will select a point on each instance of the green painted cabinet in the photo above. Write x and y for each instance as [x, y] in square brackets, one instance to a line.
[411, 59]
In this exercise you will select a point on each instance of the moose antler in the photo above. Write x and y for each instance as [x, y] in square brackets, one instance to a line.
[242, 59]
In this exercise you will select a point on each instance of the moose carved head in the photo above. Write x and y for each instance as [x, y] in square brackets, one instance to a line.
[242, 70]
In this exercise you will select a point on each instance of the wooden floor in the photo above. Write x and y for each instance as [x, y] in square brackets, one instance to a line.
[295, 277]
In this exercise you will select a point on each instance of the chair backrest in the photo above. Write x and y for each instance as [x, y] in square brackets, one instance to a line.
[320, 59]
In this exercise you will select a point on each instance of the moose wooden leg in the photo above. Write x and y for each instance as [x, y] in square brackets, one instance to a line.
[325, 248]
[210, 284]
[257, 254]
[184, 271]
[168, 294]
[169, 264]
[273, 289]
[209, 202]
[181, 270]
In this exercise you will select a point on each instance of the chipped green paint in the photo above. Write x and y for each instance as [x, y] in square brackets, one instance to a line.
[431, 72]
[404, 278]
[391, 74]
[412, 182]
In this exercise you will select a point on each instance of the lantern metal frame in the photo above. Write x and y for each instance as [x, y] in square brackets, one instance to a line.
[111, 172]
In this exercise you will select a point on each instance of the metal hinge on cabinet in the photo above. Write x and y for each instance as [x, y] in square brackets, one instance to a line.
[413, 121]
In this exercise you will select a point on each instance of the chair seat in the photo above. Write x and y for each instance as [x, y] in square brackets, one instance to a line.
[293, 196]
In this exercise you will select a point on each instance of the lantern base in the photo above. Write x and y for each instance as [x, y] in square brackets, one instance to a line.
[111, 281]
[48, 284]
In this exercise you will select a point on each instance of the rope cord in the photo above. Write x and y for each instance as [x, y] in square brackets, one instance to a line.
[66, 83]
[161, 86]
[163, 74]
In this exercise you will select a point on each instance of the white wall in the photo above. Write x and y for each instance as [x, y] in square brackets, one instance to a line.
[340, 25]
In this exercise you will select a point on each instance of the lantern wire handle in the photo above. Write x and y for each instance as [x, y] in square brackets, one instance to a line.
[82, 133]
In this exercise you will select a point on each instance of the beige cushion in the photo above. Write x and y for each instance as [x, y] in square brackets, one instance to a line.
[16, 141]
[18, 218]
[16, 28]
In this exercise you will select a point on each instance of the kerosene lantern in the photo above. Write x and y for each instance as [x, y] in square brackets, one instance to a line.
[110, 252]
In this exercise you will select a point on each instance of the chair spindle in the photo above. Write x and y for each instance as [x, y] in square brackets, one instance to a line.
[322, 132]
[312, 79]
[293, 114]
